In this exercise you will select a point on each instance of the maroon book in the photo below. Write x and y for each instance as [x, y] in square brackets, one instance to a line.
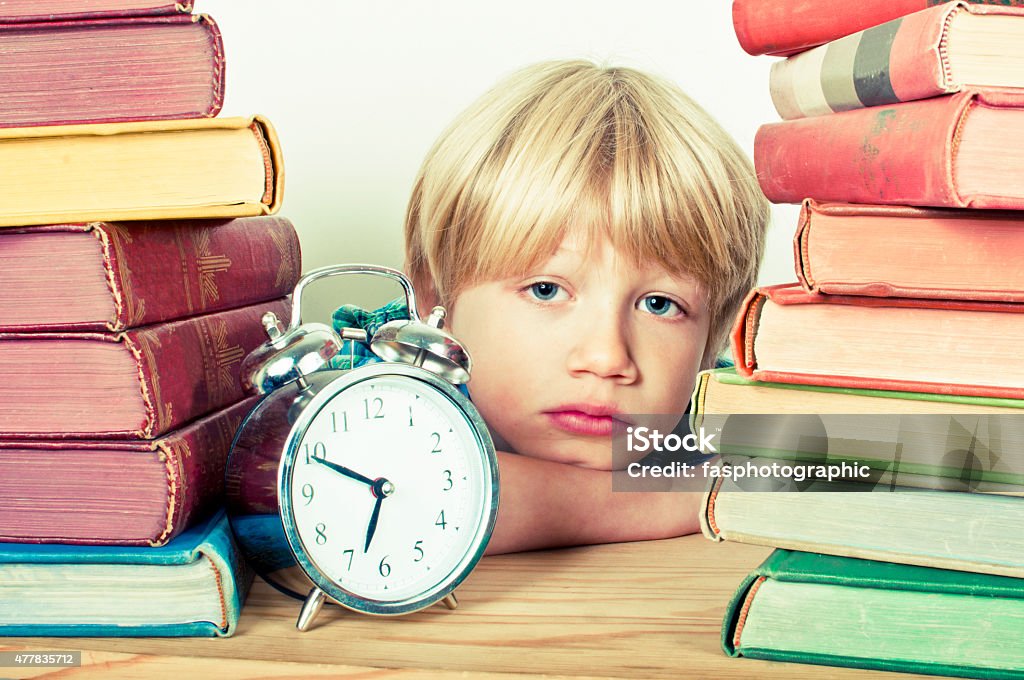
[110, 70]
[114, 276]
[51, 10]
[136, 492]
[139, 383]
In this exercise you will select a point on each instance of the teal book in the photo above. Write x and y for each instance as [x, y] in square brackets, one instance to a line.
[839, 611]
[193, 586]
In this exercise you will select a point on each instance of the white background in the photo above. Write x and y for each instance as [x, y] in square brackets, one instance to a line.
[358, 92]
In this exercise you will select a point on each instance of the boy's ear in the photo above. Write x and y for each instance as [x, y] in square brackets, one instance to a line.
[426, 295]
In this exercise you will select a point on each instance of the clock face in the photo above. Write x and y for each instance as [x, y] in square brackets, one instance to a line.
[391, 490]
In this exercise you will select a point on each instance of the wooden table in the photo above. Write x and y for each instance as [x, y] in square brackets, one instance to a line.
[634, 610]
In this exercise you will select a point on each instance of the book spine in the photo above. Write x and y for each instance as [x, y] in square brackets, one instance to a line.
[783, 27]
[899, 154]
[195, 459]
[159, 271]
[123, 69]
[743, 332]
[192, 367]
[234, 578]
[15, 11]
[897, 61]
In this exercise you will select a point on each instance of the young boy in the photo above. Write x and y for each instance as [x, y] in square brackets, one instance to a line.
[591, 232]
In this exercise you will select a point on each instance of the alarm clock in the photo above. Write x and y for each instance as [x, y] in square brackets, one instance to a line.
[375, 488]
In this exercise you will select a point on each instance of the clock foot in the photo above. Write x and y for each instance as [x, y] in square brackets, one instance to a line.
[310, 608]
[450, 601]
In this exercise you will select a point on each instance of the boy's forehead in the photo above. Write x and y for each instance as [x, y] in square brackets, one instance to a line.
[586, 249]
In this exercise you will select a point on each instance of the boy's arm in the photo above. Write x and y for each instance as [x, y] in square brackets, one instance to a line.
[546, 504]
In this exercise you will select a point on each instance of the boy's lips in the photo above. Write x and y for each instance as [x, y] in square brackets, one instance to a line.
[595, 420]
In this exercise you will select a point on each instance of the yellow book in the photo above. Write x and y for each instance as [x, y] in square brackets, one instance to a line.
[195, 168]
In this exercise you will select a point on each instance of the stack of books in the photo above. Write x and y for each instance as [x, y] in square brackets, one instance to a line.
[138, 256]
[903, 140]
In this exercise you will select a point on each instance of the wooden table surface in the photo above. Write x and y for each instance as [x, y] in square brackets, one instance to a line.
[633, 610]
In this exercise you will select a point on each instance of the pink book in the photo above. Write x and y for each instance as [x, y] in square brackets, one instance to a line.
[898, 251]
[134, 384]
[51, 10]
[119, 275]
[119, 69]
[134, 492]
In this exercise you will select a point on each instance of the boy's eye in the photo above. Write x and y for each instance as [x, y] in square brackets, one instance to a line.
[660, 305]
[545, 290]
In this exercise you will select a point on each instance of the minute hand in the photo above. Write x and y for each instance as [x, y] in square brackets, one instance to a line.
[344, 470]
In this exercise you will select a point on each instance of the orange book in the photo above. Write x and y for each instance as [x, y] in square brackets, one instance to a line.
[897, 251]
[961, 151]
[785, 334]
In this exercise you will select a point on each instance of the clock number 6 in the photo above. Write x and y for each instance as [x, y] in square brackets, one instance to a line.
[384, 568]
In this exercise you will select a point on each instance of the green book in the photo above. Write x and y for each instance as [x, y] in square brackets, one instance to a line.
[974, 532]
[908, 438]
[839, 611]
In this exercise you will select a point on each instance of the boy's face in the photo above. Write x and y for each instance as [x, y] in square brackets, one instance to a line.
[585, 336]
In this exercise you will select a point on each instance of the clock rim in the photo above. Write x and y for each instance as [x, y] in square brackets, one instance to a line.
[489, 504]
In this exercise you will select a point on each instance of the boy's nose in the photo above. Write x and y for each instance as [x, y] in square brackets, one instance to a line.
[602, 348]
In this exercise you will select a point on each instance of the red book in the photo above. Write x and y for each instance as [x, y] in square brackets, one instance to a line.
[136, 492]
[783, 27]
[787, 335]
[896, 251]
[119, 69]
[139, 383]
[961, 151]
[119, 275]
[50, 10]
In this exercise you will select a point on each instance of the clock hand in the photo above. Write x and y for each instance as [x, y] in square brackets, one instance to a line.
[345, 471]
[382, 488]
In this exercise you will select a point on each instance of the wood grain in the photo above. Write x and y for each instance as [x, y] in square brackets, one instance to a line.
[632, 610]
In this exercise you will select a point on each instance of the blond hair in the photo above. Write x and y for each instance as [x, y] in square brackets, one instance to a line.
[569, 145]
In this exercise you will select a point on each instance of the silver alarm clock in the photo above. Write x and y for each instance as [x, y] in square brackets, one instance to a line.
[375, 488]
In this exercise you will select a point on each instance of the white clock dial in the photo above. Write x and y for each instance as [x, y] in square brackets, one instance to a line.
[389, 489]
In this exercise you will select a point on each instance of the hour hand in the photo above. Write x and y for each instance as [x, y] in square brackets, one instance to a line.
[382, 488]
[341, 469]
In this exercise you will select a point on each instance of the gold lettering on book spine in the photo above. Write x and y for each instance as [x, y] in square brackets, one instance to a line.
[288, 265]
[218, 359]
[207, 265]
[126, 303]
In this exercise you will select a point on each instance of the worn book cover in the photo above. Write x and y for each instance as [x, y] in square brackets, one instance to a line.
[960, 151]
[898, 251]
[783, 27]
[121, 69]
[930, 53]
[785, 334]
[134, 384]
[837, 611]
[119, 275]
[193, 586]
[128, 492]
